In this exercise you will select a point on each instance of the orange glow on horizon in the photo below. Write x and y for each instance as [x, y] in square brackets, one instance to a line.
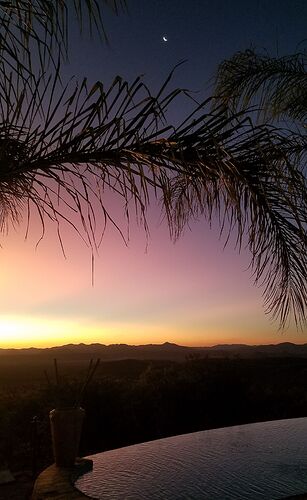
[193, 293]
[41, 332]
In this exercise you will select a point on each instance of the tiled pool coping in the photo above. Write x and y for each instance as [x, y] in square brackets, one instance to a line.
[57, 483]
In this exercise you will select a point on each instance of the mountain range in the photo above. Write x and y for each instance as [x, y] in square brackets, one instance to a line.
[166, 351]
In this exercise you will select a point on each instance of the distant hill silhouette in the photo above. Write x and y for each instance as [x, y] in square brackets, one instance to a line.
[166, 351]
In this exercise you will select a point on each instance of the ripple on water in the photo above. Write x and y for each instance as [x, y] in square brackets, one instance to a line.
[266, 460]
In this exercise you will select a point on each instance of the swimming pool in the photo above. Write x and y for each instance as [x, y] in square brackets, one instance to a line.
[265, 460]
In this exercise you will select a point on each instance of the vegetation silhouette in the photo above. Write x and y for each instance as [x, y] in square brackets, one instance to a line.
[135, 401]
[275, 89]
[276, 86]
[63, 144]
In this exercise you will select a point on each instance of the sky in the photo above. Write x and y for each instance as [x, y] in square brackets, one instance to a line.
[192, 292]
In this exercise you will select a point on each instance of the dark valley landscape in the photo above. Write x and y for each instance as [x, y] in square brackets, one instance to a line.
[142, 393]
[29, 365]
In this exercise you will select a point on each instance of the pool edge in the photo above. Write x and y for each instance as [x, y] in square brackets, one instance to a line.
[58, 482]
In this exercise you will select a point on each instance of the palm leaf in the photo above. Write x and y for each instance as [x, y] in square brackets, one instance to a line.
[28, 26]
[247, 180]
[276, 86]
[62, 148]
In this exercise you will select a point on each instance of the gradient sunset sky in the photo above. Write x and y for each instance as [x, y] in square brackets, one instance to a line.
[192, 292]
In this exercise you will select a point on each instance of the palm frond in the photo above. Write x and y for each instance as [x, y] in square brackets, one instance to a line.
[276, 86]
[62, 148]
[248, 178]
[42, 26]
[70, 143]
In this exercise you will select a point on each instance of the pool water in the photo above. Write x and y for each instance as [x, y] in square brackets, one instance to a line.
[265, 460]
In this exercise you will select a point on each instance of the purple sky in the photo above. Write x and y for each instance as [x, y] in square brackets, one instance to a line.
[193, 292]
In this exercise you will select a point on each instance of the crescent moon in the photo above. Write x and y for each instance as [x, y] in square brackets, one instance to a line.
[164, 38]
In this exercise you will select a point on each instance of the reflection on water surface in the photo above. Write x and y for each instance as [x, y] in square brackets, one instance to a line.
[266, 460]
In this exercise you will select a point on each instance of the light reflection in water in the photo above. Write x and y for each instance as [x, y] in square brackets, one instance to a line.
[259, 461]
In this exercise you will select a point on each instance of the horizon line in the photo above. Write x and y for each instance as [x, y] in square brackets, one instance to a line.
[152, 344]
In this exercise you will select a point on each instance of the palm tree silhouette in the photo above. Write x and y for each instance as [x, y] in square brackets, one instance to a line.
[62, 145]
[275, 89]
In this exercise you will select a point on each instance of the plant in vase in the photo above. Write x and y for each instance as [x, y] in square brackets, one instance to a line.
[67, 417]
